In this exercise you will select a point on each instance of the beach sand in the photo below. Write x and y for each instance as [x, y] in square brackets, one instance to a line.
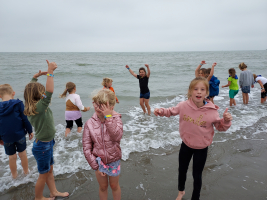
[235, 170]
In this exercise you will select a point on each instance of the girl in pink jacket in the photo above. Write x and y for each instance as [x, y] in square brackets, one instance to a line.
[197, 118]
[101, 143]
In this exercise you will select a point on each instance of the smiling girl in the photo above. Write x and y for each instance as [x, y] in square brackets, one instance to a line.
[197, 118]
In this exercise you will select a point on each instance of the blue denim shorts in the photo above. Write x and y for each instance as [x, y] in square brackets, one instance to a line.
[246, 89]
[43, 154]
[146, 95]
[18, 146]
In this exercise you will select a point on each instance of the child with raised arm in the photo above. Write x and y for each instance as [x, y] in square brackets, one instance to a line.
[107, 83]
[37, 100]
[73, 107]
[246, 81]
[213, 85]
[14, 126]
[101, 143]
[263, 83]
[143, 84]
[202, 72]
[233, 86]
[197, 118]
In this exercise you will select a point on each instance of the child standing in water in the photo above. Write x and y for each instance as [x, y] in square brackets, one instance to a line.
[37, 100]
[143, 84]
[213, 85]
[14, 126]
[107, 83]
[233, 86]
[263, 83]
[245, 81]
[101, 143]
[197, 118]
[73, 107]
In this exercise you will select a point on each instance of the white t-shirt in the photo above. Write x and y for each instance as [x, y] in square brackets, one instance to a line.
[262, 79]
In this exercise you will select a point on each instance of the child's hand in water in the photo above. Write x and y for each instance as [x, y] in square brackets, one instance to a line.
[227, 116]
[214, 64]
[101, 173]
[40, 73]
[203, 62]
[157, 111]
[51, 66]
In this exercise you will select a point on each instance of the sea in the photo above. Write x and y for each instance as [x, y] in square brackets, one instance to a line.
[171, 73]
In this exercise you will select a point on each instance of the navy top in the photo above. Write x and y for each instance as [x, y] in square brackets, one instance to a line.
[14, 125]
[143, 84]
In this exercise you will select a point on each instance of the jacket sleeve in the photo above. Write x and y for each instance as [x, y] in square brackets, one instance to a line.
[79, 103]
[220, 124]
[88, 148]
[115, 128]
[27, 125]
[172, 111]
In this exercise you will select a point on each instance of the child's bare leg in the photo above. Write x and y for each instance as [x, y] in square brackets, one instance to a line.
[142, 104]
[180, 195]
[147, 106]
[247, 98]
[67, 132]
[264, 99]
[231, 101]
[244, 97]
[24, 161]
[79, 129]
[103, 186]
[211, 99]
[116, 189]
[234, 102]
[39, 187]
[13, 165]
[50, 181]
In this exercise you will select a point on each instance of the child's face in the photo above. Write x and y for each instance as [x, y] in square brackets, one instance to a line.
[142, 73]
[109, 84]
[198, 94]
[201, 74]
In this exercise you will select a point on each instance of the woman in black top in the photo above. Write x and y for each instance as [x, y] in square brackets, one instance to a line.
[143, 84]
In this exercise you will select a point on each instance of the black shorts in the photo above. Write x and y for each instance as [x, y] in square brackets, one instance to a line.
[263, 94]
[78, 122]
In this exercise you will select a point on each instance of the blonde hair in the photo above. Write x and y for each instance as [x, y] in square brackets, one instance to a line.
[196, 81]
[104, 96]
[69, 88]
[6, 89]
[106, 81]
[32, 94]
[255, 76]
[232, 72]
[242, 66]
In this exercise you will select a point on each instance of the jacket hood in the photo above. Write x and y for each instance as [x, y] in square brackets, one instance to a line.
[8, 106]
[208, 106]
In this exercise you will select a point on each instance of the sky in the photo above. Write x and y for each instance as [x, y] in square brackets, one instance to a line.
[132, 26]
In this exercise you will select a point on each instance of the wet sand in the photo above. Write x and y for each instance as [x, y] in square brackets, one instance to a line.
[235, 170]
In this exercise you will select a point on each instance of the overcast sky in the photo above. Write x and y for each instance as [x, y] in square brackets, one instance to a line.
[130, 26]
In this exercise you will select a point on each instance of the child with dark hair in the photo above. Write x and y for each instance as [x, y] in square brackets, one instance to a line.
[263, 83]
[213, 85]
[233, 86]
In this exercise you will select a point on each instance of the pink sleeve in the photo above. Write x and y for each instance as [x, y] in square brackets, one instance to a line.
[88, 148]
[220, 124]
[172, 111]
[115, 128]
[78, 102]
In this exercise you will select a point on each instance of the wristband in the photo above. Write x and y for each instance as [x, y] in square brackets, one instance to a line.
[262, 88]
[52, 75]
[128, 68]
[107, 116]
[201, 64]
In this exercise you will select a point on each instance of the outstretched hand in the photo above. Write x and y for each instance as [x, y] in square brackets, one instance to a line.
[214, 64]
[146, 65]
[157, 111]
[51, 66]
[203, 62]
[227, 116]
[127, 66]
[40, 73]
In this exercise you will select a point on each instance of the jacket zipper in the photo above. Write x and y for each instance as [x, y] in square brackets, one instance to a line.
[102, 132]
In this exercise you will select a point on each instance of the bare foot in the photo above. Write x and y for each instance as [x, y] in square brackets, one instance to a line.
[67, 132]
[14, 176]
[79, 129]
[50, 198]
[180, 195]
[26, 172]
[59, 194]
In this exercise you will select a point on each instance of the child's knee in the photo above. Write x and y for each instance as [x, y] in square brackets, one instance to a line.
[23, 154]
[103, 188]
[13, 157]
[114, 186]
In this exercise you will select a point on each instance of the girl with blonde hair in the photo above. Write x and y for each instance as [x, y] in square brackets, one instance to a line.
[73, 107]
[197, 118]
[107, 83]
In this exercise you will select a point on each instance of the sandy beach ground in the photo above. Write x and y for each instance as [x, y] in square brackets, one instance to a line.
[235, 170]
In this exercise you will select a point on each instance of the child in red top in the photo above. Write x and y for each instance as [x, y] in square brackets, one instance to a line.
[107, 83]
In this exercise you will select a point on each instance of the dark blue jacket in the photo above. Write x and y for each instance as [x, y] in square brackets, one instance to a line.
[214, 86]
[14, 125]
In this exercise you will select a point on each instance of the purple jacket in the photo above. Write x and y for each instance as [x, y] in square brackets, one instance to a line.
[102, 139]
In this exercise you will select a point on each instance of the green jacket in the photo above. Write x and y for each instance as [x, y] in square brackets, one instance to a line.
[43, 122]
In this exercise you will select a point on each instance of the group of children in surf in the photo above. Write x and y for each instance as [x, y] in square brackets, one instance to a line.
[103, 131]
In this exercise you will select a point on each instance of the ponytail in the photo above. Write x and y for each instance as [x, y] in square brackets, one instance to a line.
[64, 93]
[69, 88]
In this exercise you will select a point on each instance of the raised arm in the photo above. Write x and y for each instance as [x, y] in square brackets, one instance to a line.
[131, 71]
[50, 77]
[198, 67]
[211, 72]
[148, 70]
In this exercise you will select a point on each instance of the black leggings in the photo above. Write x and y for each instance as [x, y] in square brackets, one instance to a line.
[199, 160]
[79, 123]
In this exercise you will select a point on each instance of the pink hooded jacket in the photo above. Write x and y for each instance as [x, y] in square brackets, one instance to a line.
[196, 124]
[102, 139]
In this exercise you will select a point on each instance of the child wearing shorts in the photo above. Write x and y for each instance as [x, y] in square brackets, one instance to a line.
[245, 81]
[233, 86]
[14, 126]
